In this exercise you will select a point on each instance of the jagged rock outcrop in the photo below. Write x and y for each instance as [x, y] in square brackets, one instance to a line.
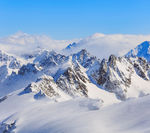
[73, 82]
[115, 75]
[9, 60]
[7, 128]
[85, 59]
[8, 65]
[49, 59]
[43, 86]
[141, 67]
[29, 68]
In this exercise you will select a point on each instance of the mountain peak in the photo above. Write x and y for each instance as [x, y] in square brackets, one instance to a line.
[71, 45]
[83, 51]
[142, 50]
[144, 45]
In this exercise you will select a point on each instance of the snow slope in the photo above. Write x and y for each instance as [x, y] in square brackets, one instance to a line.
[82, 115]
[142, 50]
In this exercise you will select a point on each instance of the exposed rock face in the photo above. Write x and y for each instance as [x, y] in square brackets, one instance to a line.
[115, 75]
[28, 69]
[112, 61]
[14, 64]
[49, 59]
[43, 86]
[8, 64]
[114, 79]
[73, 82]
[102, 72]
[141, 67]
[84, 58]
[3, 98]
[11, 61]
[7, 128]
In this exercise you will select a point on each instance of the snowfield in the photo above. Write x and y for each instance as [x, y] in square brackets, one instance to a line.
[81, 115]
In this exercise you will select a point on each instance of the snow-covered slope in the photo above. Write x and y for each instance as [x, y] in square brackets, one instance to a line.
[8, 63]
[142, 50]
[23, 114]
[17, 80]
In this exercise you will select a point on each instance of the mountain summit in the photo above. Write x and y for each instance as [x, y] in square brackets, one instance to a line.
[142, 50]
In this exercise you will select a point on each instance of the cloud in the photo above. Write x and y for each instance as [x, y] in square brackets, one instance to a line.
[20, 43]
[102, 45]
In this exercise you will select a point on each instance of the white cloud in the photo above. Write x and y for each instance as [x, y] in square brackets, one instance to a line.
[102, 45]
[21, 43]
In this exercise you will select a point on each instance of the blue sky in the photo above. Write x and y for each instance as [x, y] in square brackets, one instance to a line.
[68, 19]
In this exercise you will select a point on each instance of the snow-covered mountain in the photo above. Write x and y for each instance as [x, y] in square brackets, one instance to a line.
[80, 81]
[8, 64]
[142, 50]
[74, 73]
[126, 77]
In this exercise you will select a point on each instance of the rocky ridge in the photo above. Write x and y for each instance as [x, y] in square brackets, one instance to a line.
[56, 75]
